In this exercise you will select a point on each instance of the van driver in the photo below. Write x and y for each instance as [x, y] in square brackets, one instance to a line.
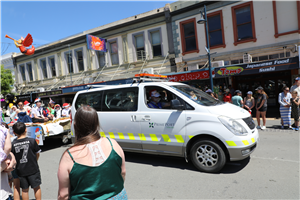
[155, 100]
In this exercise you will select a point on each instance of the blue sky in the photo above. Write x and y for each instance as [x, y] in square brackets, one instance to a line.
[48, 21]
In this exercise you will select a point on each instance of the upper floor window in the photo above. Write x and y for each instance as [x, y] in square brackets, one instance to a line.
[215, 30]
[286, 23]
[140, 47]
[22, 70]
[69, 62]
[29, 69]
[52, 66]
[101, 58]
[44, 68]
[114, 53]
[156, 43]
[243, 23]
[189, 36]
[80, 60]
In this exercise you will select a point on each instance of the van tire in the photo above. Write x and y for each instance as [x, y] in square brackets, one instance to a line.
[207, 156]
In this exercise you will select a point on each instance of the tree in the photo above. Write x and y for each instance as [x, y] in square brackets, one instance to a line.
[6, 81]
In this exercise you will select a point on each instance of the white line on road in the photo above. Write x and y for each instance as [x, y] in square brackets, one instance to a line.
[294, 161]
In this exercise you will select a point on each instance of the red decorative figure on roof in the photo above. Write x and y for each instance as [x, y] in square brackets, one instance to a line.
[22, 43]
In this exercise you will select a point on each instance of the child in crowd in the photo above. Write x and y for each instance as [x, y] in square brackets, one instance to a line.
[26, 151]
[66, 110]
[295, 102]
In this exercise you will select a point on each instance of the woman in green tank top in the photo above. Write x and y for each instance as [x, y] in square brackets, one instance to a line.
[82, 173]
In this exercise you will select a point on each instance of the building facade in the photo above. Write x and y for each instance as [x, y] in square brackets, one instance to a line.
[7, 62]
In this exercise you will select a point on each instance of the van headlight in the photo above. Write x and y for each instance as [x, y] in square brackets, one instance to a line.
[235, 127]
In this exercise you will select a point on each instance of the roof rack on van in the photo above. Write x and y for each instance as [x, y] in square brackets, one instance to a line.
[143, 77]
[99, 86]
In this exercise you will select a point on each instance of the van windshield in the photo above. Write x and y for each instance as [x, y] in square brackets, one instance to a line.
[197, 95]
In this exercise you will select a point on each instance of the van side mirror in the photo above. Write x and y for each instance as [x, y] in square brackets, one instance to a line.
[175, 104]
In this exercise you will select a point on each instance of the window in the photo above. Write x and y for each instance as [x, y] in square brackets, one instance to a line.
[156, 43]
[22, 70]
[69, 62]
[286, 23]
[29, 69]
[274, 56]
[125, 99]
[140, 47]
[80, 61]
[235, 62]
[44, 68]
[215, 30]
[243, 23]
[165, 98]
[52, 66]
[287, 54]
[92, 99]
[101, 58]
[114, 53]
[188, 36]
[262, 58]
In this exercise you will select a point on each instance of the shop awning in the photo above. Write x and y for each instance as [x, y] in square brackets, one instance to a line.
[76, 88]
[258, 67]
[189, 75]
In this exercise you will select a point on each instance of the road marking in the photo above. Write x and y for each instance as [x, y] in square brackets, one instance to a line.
[294, 161]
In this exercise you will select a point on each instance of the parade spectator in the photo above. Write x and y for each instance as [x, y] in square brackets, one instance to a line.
[294, 105]
[220, 95]
[23, 115]
[227, 96]
[261, 107]
[296, 86]
[285, 108]
[232, 91]
[37, 112]
[237, 99]
[7, 166]
[249, 102]
[27, 169]
[66, 110]
[211, 93]
[50, 109]
[94, 167]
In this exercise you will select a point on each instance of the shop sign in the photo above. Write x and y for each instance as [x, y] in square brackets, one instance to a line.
[190, 76]
[256, 68]
[49, 93]
[20, 97]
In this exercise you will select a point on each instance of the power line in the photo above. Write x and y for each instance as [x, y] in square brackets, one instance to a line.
[3, 47]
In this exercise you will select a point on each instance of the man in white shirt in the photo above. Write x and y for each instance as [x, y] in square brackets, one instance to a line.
[66, 110]
[296, 86]
[37, 113]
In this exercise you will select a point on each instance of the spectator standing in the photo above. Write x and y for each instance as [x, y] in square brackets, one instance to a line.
[27, 167]
[237, 99]
[296, 86]
[295, 102]
[261, 107]
[227, 96]
[231, 90]
[94, 167]
[249, 102]
[285, 107]
[220, 95]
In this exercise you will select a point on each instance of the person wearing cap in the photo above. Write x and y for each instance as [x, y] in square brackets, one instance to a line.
[227, 96]
[50, 109]
[296, 86]
[155, 100]
[66, 110]
[249, 102]
[237, 99]
[284, 99]
[37, 112]
[211, 93]
[261, 107]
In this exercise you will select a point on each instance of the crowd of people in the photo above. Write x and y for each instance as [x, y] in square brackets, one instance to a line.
[37, 112]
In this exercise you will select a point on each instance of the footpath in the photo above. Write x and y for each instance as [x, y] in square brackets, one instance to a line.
[274, 125]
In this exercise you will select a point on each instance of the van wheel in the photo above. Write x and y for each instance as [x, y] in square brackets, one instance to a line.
[207, 156]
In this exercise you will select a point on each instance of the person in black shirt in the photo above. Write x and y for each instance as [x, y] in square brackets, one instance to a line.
[26, 151]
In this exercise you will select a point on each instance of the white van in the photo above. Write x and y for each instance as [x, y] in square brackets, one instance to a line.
[202, 129]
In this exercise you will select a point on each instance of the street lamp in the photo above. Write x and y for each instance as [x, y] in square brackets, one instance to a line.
[203, 20]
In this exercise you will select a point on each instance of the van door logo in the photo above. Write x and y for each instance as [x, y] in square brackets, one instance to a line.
[151, 125]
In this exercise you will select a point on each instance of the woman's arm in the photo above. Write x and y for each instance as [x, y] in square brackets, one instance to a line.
[63, 177]
[280, 101]
[120, 151]
[262, 103]
[253, 103]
